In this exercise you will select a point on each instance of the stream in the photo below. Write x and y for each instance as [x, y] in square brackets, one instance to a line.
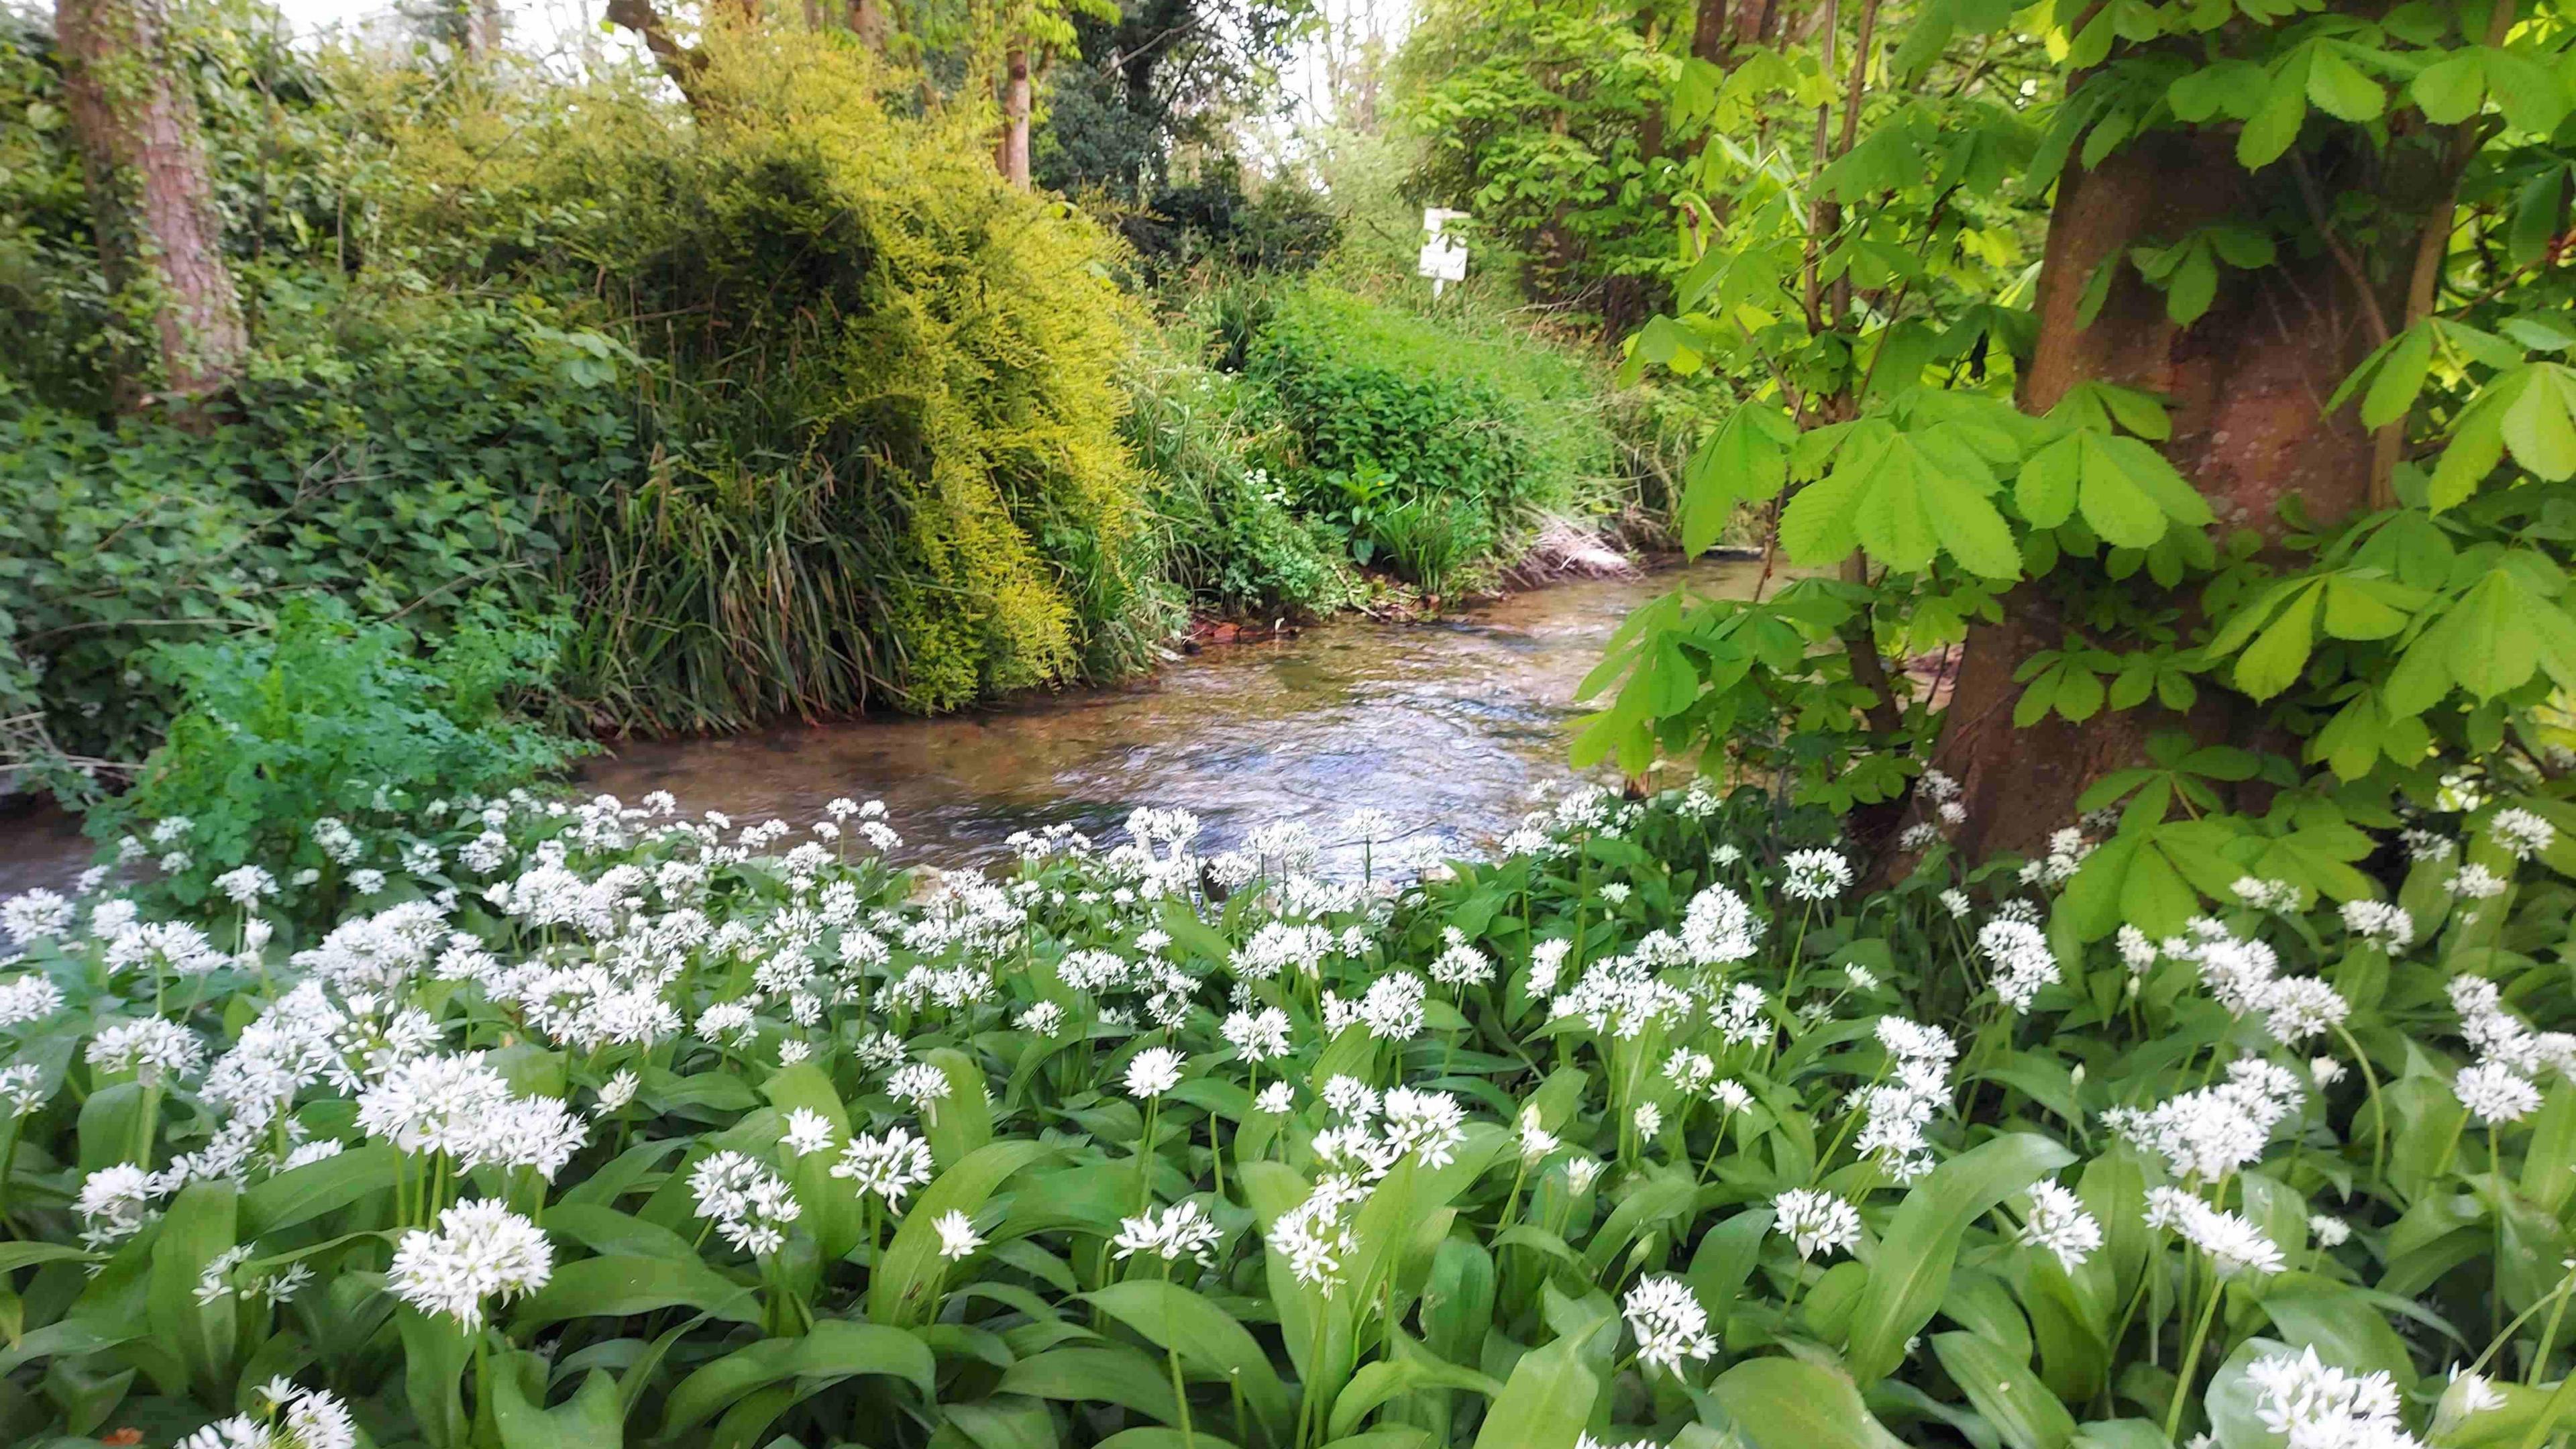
[1450, 727]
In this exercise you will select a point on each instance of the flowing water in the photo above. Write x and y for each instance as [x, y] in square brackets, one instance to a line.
[1449, 727]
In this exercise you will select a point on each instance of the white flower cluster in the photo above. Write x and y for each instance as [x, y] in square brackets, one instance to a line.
[2314, 1405]
[749, 1205]
[2022, 961]
[1183, 1230]
[1669, 1324]
[480, 1251]
[1816, 1221]
[2234, 1244]
[2208, 1134]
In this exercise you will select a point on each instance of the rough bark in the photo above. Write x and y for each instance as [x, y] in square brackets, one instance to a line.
[682, 63]
[1012, 154]
[2246, 384]
[871, 23]
[1721, 29]
[144, 164]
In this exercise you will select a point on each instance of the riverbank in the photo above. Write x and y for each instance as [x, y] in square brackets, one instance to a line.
[1454, 718]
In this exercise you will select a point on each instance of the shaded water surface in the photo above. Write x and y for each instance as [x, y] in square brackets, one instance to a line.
[1447, 727]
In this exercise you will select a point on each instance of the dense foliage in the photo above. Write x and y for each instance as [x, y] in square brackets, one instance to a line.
[2268, 447]
[529, 1123]
[1427, 453]
[785, 399]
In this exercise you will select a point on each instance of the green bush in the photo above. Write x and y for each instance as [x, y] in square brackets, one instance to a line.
[1434, 443]
[400, 455]
[326, 717]
[1231, 541]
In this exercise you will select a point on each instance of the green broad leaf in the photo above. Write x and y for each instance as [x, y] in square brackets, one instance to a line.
[2338, 1321]
[1666, 1194]
[2121, 1434]
[1155, 1436]
[1382, 1380]
[963, 1121]
[2191, 284]
[2337, 87]
[2115, 507]
[1547, 1402]
[827, 1352]
[619, 1287]
[2451, 89]
[831, 1212]
[435, 1353]
[2477, 442]
[1747, 459]
[2540, 424]
[905, 1286]
[1096, 1374]
[1788, 1403]
[2274, 125]
[1817, 526]
[1921, 1245]
[2273, 662]
[2005, 1391]
[1971, 530]
[591, 1419]
[1208, 1339]
[2400, 378]
[21, 1255]
[202, 1222]
[301, 1194]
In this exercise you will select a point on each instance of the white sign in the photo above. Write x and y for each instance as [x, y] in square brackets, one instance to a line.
[1443, 258]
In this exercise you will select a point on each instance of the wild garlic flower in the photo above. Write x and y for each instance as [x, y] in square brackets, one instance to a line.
[2330, 1232]
[116, 1202]
[1257, 1036]
[1649, 1120]
[2495, 1094]
[1153, 1071]
[1042, 1018]
[808, 1132]
[1536, 1142]
[2315, 1405]
[889, 1166]
[434, 1103]
[2522, 833]
[2234, 1244]
[1547, 962]
[22, 1089]
[1718, 928]
[921, 1086]
[957, 1235]
[1815, 875]
[1276, 1098]
[749, 1205]
[2022, 961]
[152, 1048]
[2474, 882]
[1669, 1324]
[616, 1092]
[294, 1419]
[2299, 1008]
[35, 915]
[28, 998]
[1816, 1221]
[480, 1251]
[1730, 1095]
[1461, 965]
[246, 885]
[1182, 1230]
[1429, 1125]
[2058, 1223]
[1313, 1235]
[2382, 921]
[1689, 1071]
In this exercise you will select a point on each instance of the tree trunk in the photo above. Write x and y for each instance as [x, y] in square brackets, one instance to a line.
[1012, 155]
[1720, 30]
[2246, 385]
[144, 163]
[869, 21]
[682, 63]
